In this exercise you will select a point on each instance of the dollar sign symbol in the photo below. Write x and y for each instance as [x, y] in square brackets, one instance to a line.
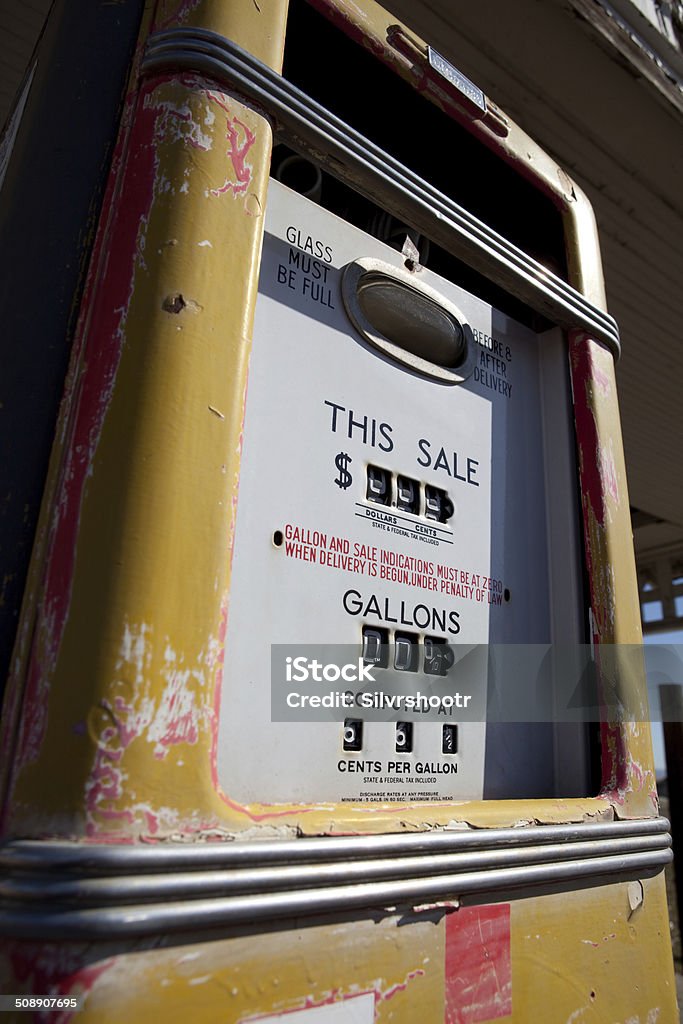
[344, 479]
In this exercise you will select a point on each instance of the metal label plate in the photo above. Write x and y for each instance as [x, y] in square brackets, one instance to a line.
[456, 78]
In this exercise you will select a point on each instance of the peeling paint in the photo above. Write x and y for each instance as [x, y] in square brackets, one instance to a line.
[608, 473]
[37, 649]
[576, 1016]
[240, 138]
[614, 759]
[627, 771]
[90, 404]
[157, 117]
[175, 121]
[602, 382]
[567, 185]
[174, 13]
[383, 995]
[177, 716]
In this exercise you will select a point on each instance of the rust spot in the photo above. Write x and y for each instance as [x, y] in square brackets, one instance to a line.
[174, 303]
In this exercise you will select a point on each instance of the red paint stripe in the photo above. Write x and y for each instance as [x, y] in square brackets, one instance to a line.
[591, 386]
[478, 965]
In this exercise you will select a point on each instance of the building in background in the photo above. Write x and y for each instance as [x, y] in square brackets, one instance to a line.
[600, 86]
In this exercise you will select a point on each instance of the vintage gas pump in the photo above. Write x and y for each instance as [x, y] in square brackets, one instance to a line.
[337, 497]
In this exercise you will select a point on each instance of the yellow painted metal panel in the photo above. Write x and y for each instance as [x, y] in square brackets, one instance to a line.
[118, 702]
[598, 955]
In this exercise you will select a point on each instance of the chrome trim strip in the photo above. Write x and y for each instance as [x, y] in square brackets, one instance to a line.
[192, 885]
[311, 129]
[98, 893]
[60, 855]
[192, 915]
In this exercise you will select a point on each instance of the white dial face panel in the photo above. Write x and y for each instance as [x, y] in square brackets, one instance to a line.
[375, 499]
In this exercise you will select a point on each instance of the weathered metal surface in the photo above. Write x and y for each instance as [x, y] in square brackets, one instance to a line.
[130, 633]
[65, 891]
[59, 104]
[117, 671]
[628, 769]
[122, 661]
[119, 660]
[593, 955]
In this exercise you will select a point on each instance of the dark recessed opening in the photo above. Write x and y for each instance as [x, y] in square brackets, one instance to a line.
[375, 101]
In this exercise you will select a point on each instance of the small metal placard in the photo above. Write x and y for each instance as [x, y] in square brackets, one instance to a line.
[456, 78]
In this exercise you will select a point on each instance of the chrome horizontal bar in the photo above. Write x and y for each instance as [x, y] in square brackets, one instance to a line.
[192, 885]
[107, 923]
[310, 128]
[30, 854]
[99, 892]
